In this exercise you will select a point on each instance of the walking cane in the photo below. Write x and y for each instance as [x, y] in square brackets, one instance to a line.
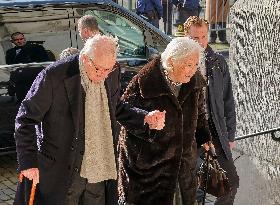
[33, 190]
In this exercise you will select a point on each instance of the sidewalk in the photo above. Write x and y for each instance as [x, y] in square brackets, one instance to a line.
[8, 179]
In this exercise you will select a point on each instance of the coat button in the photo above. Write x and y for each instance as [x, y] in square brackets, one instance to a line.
[76, 169]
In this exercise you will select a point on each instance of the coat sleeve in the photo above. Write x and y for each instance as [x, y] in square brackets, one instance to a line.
[229, 106]
[9, 57]
[41, 54]
[202, 133]
[31, 112]
[129, 114]
[140, 7]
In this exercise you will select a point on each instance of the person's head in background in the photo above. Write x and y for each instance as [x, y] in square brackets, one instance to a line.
[88, 27]
[98, 57]
[197, 29]
[18, 39]
[68, 52]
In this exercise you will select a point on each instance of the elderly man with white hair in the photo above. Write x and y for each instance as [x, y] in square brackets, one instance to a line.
[71, 157]
[155, 159]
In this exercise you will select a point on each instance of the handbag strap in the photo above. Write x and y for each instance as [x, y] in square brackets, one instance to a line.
[211, 149]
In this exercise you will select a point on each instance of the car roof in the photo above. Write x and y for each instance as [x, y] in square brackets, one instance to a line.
[36, 3]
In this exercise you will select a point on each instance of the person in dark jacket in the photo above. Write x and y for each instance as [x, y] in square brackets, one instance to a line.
[70, 155]
[151, 10]
[185, 9]
[222, 118]
[25, 52]
[154, 159]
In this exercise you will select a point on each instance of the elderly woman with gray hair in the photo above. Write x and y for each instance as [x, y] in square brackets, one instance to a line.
[152, 162]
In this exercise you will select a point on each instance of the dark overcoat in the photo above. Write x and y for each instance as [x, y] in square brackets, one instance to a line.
[221, 99]
[151, 162]
[28, 53]
[56, 103]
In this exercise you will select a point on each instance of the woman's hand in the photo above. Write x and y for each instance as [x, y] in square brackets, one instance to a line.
[155, 119]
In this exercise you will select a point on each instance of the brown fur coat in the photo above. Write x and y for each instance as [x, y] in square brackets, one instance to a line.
[151, 161]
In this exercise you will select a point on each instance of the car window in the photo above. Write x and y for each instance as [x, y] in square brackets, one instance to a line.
[131, 38]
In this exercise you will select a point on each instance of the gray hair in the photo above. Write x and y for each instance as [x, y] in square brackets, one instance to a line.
[89, 22]
[179, 47]
[68, 52]
[107, 44]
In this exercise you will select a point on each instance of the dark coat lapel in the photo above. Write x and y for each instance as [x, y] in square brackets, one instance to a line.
[210, 59]
[196, 82]
[153, 84]
[74, 90]
[151, 81]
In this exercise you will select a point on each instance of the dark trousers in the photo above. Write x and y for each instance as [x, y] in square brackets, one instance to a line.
[221, 33]
[155, 22]
[229, 167]
[83, 193]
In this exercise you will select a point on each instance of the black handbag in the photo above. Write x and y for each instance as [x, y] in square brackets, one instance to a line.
[212, 178]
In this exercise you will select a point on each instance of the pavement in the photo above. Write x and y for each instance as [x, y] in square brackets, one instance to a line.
[8, 179]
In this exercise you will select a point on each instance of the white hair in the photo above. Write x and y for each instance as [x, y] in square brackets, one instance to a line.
[106, 44]
[178, 48]
[68, 52]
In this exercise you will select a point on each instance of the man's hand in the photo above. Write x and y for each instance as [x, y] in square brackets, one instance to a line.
[231, 145]
[155, 119]
[31, 174]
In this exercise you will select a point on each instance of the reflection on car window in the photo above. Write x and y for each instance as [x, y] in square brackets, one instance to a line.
[131, 38]
[4, 78]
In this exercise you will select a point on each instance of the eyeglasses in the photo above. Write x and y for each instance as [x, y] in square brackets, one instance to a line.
[99, 68]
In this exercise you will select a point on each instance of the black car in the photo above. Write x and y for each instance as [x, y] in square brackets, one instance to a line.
[53, 24]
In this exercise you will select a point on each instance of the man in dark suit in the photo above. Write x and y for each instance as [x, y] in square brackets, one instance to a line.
[25, 52]
[70, 156]
[219, 104]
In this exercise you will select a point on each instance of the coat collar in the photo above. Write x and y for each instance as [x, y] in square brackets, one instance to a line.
[73, 88]
[73, 68]
[210, 57]
[152, 82]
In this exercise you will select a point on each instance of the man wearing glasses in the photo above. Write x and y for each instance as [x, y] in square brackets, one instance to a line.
[25, 52]
[71, 157]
